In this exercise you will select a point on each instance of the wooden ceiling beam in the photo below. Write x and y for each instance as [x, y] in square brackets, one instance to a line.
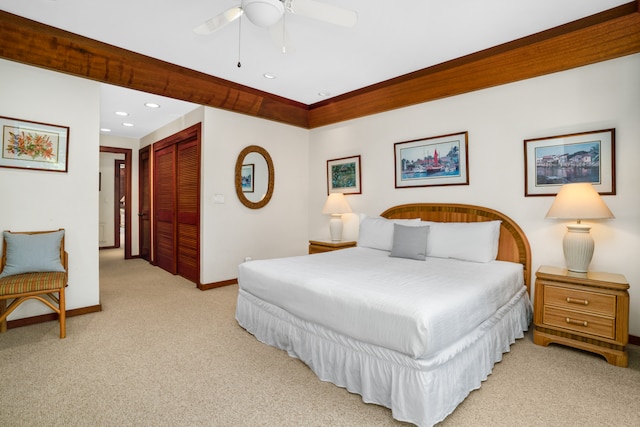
[607, 35]
[33, 43]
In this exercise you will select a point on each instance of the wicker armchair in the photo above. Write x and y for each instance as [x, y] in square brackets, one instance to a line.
[39, 284]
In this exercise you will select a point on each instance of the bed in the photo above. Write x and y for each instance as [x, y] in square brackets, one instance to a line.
[413, 318]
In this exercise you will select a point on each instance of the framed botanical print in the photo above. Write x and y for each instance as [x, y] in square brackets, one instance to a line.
[33, 145]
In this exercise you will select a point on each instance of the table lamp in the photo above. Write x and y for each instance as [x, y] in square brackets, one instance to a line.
[336, 205]
[578, 201]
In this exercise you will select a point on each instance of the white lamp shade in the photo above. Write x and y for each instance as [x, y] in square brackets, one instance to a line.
[579, 201]
[336, 204]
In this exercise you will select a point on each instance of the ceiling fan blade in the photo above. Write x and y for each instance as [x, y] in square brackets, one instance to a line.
[219, 21]
[323, 12]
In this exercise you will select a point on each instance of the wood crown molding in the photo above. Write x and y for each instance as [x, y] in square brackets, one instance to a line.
[604, 36]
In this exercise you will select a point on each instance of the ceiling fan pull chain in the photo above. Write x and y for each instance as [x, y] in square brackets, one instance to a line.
[239, 39]
[284, 31]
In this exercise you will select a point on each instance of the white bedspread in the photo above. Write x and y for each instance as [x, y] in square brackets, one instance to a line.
[417, 308]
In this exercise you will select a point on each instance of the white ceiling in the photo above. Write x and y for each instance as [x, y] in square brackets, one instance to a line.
[144, 120]
[390, 39]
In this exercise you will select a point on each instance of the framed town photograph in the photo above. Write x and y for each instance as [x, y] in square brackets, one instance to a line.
[247, 177]
[33, 145]
[580, 157]
[343, 175]
[438, 160]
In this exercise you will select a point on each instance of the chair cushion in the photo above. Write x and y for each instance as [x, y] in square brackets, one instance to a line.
[32, 282]
[32, 253]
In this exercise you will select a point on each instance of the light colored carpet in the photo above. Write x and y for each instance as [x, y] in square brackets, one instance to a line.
[163, 353]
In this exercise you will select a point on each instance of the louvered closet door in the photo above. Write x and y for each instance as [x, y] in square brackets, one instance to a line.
[176, 203]
[188, 196]
[165, 209]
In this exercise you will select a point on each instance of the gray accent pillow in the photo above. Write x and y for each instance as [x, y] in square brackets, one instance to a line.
[410, 242]
[32, 253]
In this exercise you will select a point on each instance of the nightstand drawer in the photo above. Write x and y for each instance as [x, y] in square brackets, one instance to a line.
[581, 322]
[580, 300]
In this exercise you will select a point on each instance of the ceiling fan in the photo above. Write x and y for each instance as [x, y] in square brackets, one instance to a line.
[266, 13]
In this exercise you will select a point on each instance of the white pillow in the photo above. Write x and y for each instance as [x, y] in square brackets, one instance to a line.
[377, 232]
[468, 241]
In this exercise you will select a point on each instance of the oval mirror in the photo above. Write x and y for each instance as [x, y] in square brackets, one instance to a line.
[254, 177]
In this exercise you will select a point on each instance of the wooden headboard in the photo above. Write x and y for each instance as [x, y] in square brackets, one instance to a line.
[513, 246]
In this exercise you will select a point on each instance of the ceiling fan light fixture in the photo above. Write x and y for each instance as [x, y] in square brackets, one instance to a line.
[263, 13]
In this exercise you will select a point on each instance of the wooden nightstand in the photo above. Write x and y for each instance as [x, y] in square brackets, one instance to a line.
[589, 311]
[317, 246]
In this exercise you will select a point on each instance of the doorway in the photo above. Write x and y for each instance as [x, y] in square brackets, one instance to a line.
[121, 197]
[119, 202]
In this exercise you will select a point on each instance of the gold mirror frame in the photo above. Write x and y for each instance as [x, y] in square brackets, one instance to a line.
[243, 199]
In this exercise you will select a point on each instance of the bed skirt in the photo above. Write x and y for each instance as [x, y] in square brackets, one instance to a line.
[419, 391]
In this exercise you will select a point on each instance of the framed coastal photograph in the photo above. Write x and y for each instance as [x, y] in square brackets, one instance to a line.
[247, 177]
[438, 160]
[343, 175]
[580, 157]
[33, 145]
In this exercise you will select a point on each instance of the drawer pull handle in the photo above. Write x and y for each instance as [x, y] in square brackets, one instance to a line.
[577, 301]
[577, 322]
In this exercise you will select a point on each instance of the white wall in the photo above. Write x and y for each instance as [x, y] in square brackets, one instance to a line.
[600, 96]
[188, 120]
[39, 200]
[231, 231]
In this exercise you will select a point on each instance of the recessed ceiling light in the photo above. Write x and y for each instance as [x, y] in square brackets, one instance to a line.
[127, 124]
[105, 130]
[152, 105]
[122, 113]
[324, 93]
[269, 76]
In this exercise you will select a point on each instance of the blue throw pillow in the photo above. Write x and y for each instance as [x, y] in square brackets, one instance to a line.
[32, 253]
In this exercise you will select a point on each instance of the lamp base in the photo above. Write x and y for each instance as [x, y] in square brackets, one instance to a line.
[335, 227]
[578, 248]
